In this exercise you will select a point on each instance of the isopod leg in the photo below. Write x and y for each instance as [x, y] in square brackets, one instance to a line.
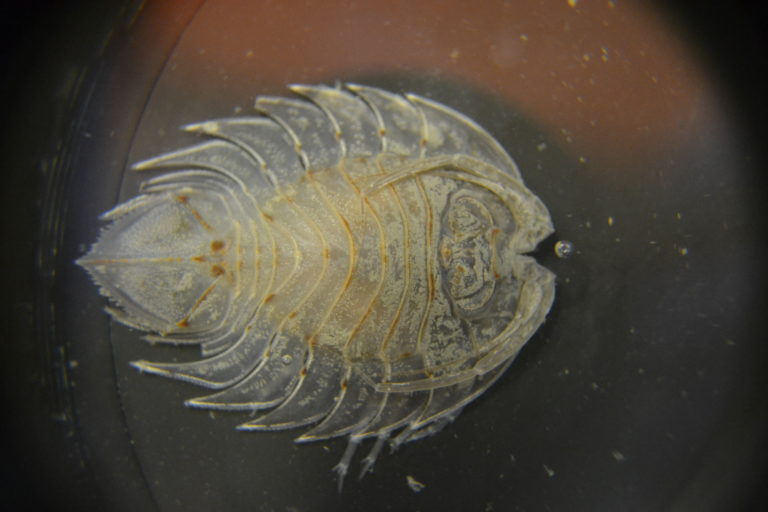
[414, 432]
[370, 459]
[342, 467]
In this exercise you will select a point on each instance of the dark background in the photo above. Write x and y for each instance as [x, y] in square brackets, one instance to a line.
[49, 52]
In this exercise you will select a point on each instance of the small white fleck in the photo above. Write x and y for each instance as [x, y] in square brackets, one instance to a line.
[618, 456]
[542, 146]
[549, 470]
[414, 484]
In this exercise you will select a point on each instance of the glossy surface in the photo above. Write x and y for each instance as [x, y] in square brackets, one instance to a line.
[356, 262]
[643, 390]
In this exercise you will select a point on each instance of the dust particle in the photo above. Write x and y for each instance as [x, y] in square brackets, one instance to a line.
[414, 484]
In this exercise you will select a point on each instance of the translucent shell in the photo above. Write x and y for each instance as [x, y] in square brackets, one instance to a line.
[354, 260]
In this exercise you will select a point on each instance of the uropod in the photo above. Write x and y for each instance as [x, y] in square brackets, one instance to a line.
[352, 261]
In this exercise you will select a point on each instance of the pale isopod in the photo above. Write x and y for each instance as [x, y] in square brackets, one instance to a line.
[354, 260]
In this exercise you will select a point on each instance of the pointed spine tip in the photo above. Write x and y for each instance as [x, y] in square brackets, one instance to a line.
[192, 127]
[143, 165]
[195, 403]
[140, 365]
[298, 88]
[208, 127]
[148, 367]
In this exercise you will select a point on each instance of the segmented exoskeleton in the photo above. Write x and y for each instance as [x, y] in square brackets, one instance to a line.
[355, 261]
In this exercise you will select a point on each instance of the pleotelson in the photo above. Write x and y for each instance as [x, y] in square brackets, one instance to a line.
[356, 261]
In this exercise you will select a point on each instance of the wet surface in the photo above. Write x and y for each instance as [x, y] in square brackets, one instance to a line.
[639, 392]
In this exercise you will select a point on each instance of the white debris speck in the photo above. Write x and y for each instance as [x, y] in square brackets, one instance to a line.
[414, 484]
[549, 470]
[618, 456]
[542, 146]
